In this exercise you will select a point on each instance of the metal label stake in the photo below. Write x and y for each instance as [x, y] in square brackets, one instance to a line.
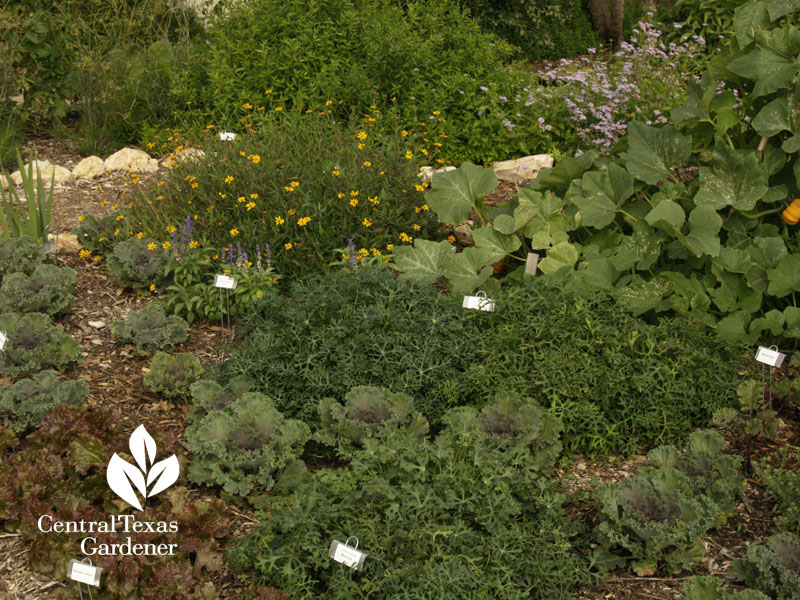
[3, 341]
[774, 359]
[348, 555]
[478, 302]
[227, 283]
[83, 572]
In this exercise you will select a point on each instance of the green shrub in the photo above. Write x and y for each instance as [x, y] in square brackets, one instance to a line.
[784, 485]
[138, 263]
[772, 567]
[710, 588]
[448, 518]
[34, 343]
[28, 400]
[298, 189]
[150, 330]
[173, 375]
[658, 515]
[100, 235]
[512, 424]
[49, 289]
[611, 378]
[368, 411]
[19, 255]
[246, 446]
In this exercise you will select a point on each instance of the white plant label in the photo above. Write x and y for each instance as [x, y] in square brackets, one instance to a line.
[3, 340]
[531, 263]
[83, 573]
[347, 555]
[478, 303]
[770, 356]
[225, 282]
[48, 247]
[227, 136]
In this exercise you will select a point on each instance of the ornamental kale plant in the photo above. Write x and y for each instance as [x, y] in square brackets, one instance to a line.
[246, 447]
[784, 485]
[49, 289]
[34, 343]
[150, 330]
[172, 375]
[772, 567]
[28, 400]
[138, 263]
[19, 255]
[443, 518]
[208, 395]
[512, 424]
[710, 588]
[368, 411]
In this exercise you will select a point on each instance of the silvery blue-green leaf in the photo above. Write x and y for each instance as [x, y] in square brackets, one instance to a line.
[703, 237]
[748, 19]
[737, 179]
[561, 256]
[497, 244]
[523, 215]
[600, 194]
[643, 244]
[773, 118]
[504, 224]
[641, 296]
[468, 269]
[453, 193]
[668, 216]
[653, 153]
[772, 63]
[423, 262]
[785, 277]
[779, 8]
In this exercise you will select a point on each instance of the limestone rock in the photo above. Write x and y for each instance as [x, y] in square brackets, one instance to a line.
[47, 171]
[89, 168]
[66, 242]
[426, 173]
[131, 159]
[463, 233]
[181, 156]
[522, 169]
[3, 182]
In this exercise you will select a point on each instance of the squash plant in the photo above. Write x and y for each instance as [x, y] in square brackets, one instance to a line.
[685, 217]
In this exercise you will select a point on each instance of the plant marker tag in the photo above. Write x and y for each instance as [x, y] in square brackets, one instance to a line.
[3, 340]
[227, 136]
[531, 264]
[770, 356]
[48, 247]
[347, 555]
[225, 282]
[84, 573]
[478, 302]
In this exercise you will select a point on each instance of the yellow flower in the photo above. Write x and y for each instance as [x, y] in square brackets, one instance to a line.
[267, 91]
[328, 102]
[437, 113]
[152, 287]
[335, 173]
[294, 184]
[389, 247]
[404, 133]
[353, 202]
[250, 205]
[304, 221]
[375, 252]
[354, 193]
[85, 253]
[229, 179]
[451, 239]
[425, 207]
[170, 228]
[409, 154]
[255, 158]
[367, 163]
[374, 200]
[159, 197]
[367, 222]
[247, 106]
[288, 188]
[166, 245]
[254, 196]
[420, 188]
[195, 185]
[241, 152]
[104, 202]
[340, 195]
[234, 232]
[81, 219]
[278, 108]
[140, 235]
[102, 239]
[194, 244]
[116, 232]
[279, 220]
[292, 211]
[160, 183]
[96, 258]
[425, 152]
[417, 209]
[360, 146]
[288, 245]
[404, 237]
[114, 206]
[415, 227]
[152, 246]
[120, 217]
[362, 135]
[240, 199]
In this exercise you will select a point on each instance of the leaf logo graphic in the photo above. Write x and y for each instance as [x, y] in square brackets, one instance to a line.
[126, 479]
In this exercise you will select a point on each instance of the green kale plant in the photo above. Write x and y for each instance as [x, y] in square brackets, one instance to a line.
[150, 330]
[27, 400]
[659, 515]
[49, 289]
[368, 411]
[34, 343]
[172, 375]
[19, 255]
[208, 395]
[710, 588]
[640, 227]
[443, 518]
[138, 263]
[784, 485]
[772, 567]
[752, 417]
[59, 471]
[611, 379]
[246, 446]
[513, 424]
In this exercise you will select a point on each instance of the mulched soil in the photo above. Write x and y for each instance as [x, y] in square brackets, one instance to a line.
[114, 374]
